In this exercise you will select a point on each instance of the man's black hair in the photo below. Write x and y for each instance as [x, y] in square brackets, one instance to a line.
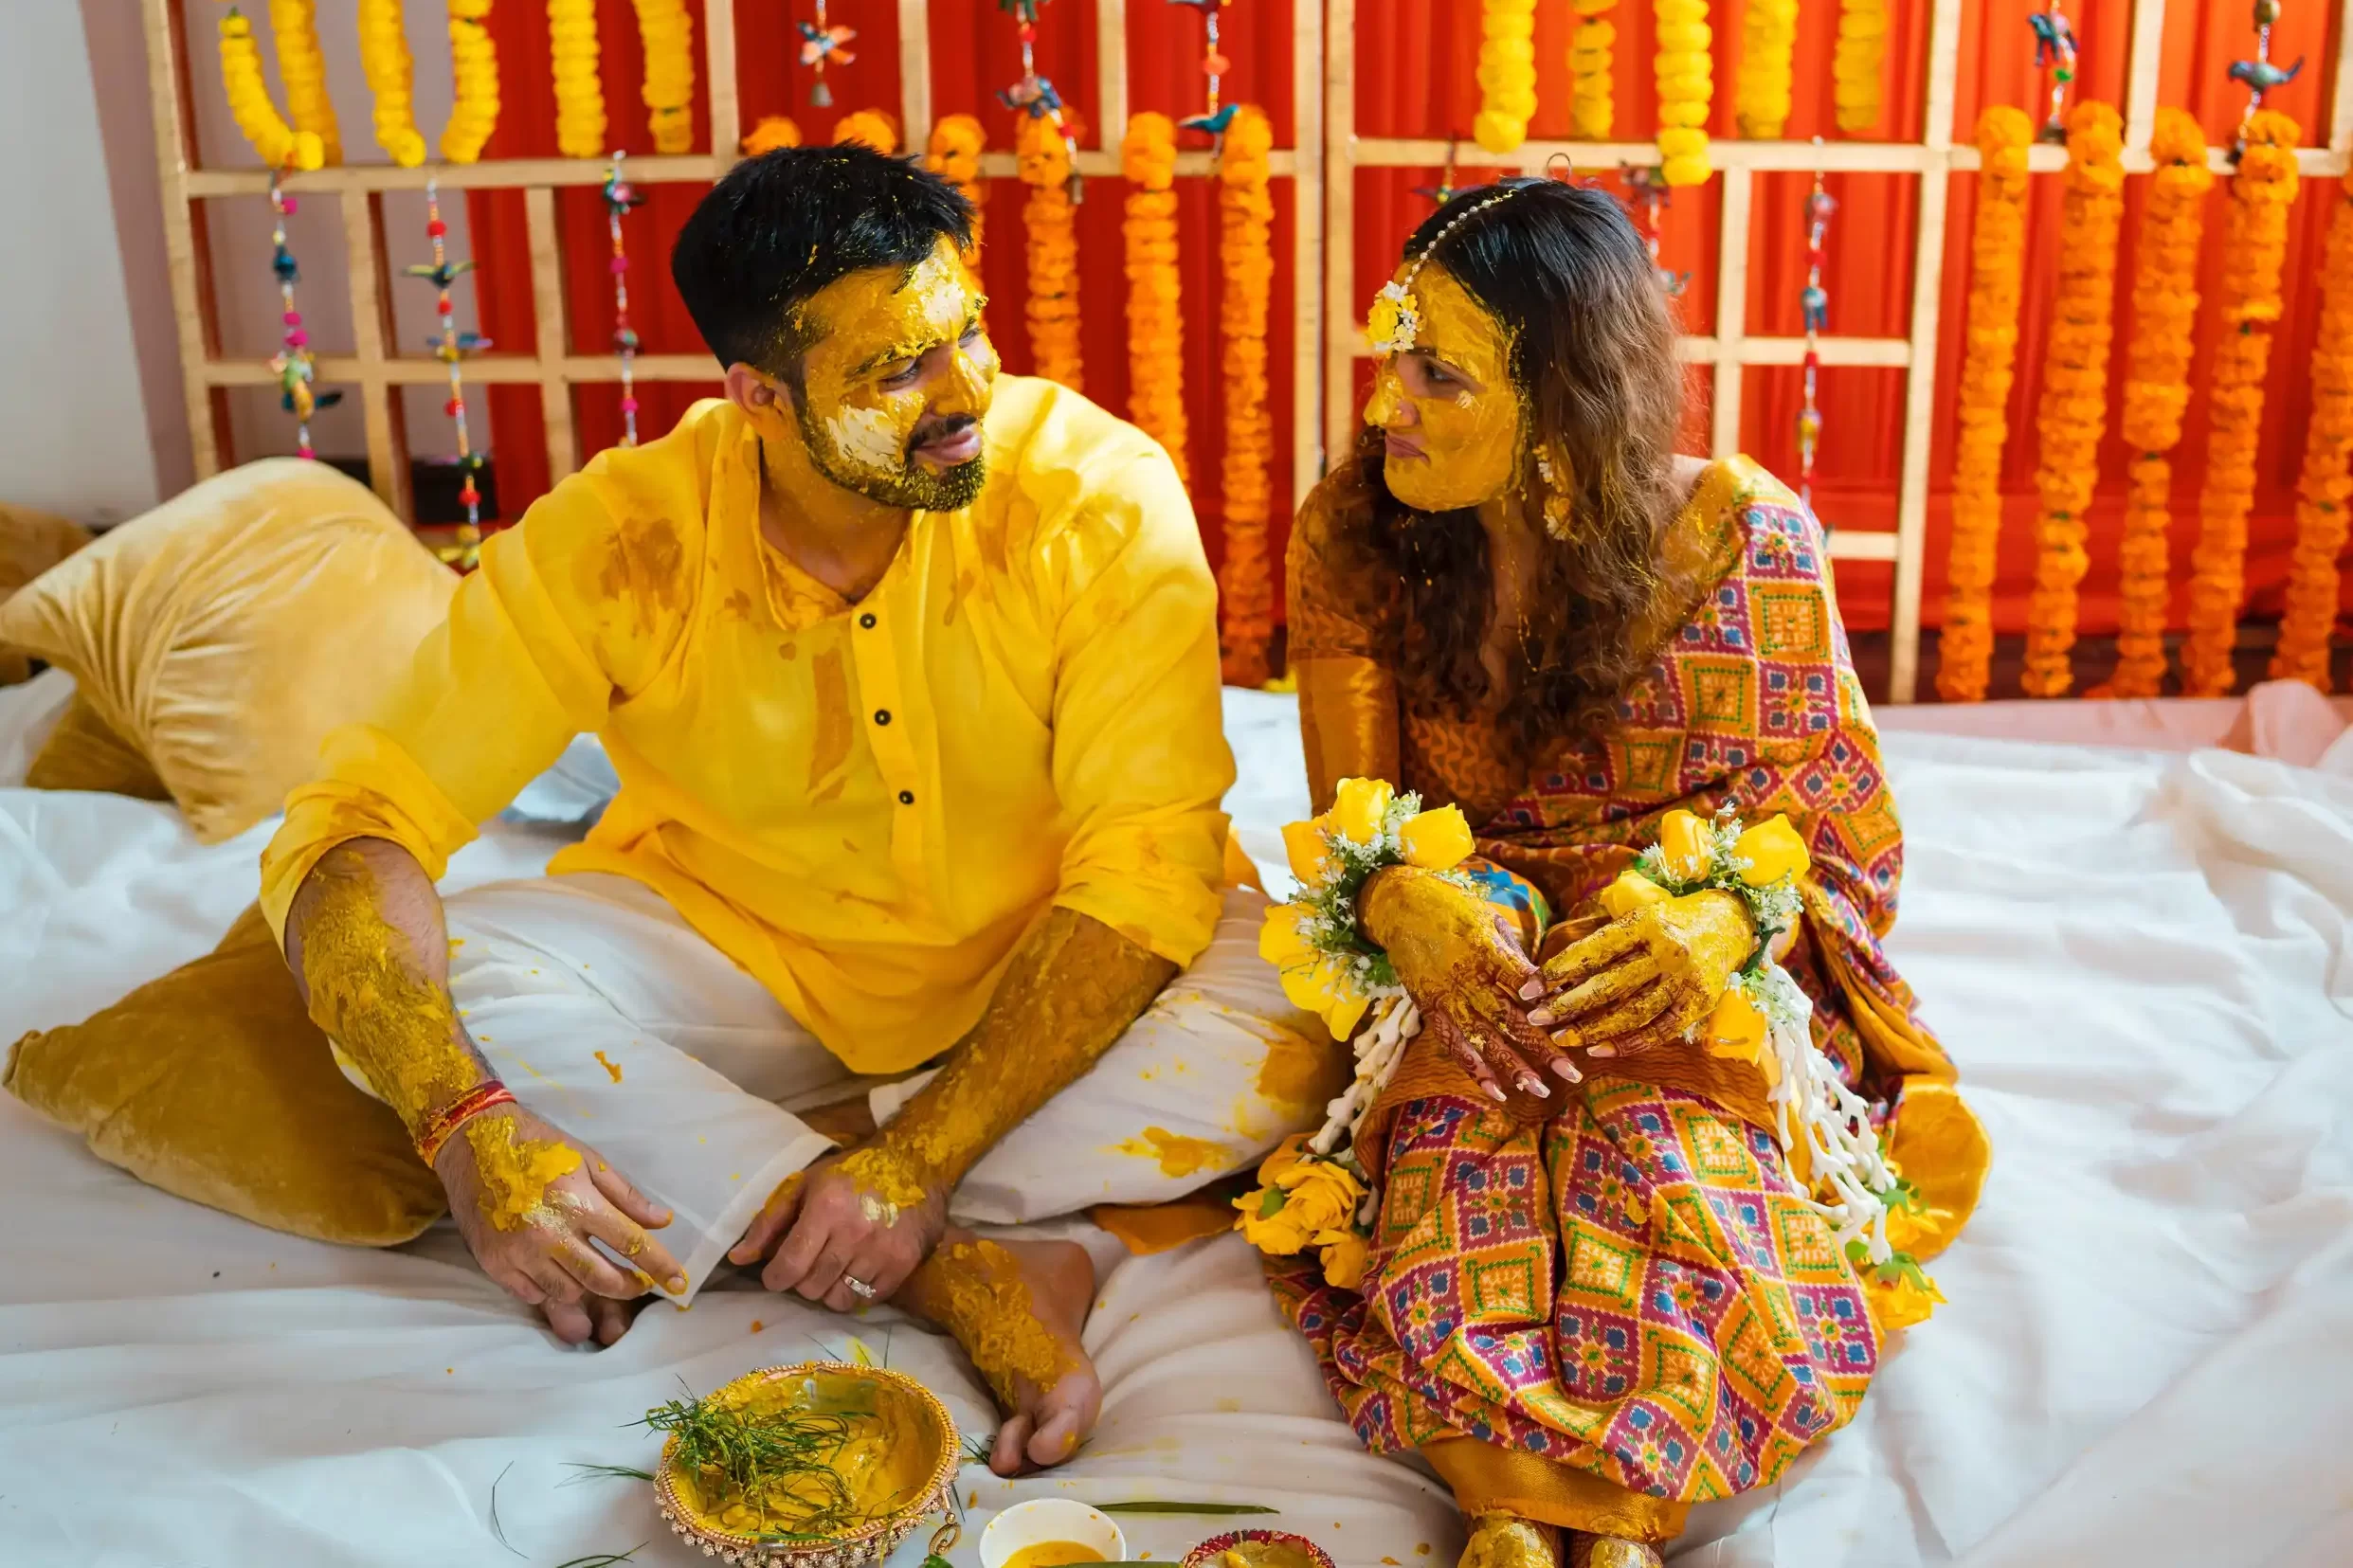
[779, 227]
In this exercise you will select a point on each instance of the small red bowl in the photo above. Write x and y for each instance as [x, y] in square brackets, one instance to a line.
[1206, 1552]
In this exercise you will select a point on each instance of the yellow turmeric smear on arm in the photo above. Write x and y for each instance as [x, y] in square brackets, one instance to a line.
[516, 1172]
[1072, 987]
[976, 1290]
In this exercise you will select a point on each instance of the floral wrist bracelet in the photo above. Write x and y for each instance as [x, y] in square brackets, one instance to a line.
[443, 1124]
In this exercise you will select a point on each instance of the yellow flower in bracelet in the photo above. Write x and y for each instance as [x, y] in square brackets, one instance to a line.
[1358, 810]
[1631, 893]
[1683, 844]
[1900, 1304]
[1739, 1030]
[1436, 840]
[1321, 986]
[1343, 1254]
[1322, 1195]
[1279, 938]
[1773, 851]
[1303, 846]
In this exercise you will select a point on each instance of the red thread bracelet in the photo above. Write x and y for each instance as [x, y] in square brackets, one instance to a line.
[443, 1124]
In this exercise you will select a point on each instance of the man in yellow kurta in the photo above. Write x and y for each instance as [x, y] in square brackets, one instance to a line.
[909, 672]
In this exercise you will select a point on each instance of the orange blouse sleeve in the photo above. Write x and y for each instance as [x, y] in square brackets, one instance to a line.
[1340, 615]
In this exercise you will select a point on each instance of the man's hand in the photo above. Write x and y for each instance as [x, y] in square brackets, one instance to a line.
[1647, 978]
[536, 1242]
[836, 1228]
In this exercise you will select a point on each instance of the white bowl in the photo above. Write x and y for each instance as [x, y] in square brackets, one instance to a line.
[1044, 1518]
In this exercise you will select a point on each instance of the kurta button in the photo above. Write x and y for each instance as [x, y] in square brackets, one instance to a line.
[906, 797]
[882, 715]
[867, 621]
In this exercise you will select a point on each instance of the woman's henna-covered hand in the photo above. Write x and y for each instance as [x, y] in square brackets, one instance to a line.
[1463, 966]
[1647, 978]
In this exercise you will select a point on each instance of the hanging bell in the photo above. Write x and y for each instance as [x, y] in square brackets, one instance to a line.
[820, 94]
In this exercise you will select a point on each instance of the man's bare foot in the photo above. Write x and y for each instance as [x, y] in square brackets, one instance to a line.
[1018, 1308]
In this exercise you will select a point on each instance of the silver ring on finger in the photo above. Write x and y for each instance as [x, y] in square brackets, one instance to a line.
[858, 1288]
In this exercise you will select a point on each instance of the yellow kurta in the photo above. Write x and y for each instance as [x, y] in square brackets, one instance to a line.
[864, 805]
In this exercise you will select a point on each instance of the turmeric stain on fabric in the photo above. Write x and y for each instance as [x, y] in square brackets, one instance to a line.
[1303, 1074]
[612, 1067]
[644, 569]
[1177, 1155]
[829, 746]
[517, 1172]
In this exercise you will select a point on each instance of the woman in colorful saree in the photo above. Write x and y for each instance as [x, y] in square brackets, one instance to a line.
[1595, 1292]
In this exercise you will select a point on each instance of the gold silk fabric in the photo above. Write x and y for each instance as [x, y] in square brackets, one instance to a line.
[866, 805]
[30, 543]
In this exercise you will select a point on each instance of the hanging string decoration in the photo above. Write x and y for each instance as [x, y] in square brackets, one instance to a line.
[954, 156]
[1246, 261]
[292, 364]
[1590, 58]
[2259, 74]
[1507, 74]
[773, 131]
[452, 346]
[1648, 195]
[668, 35]
[1854, 63]
[2073, 412]
[1686, 85]
[1997, 263]
[1445, 190]
[2157, 390]
[2323, 486]
[303, 69]
[620, 196]
[2054, 51]
[1035, 94]
[1214, 117]
[1769, 43]
[280, 145]
[868, 128]
[1148, 157]
[1814, 304]
[2254, 244]
[474, 65]
[1050, 216]
[823, 42]
[572, 52]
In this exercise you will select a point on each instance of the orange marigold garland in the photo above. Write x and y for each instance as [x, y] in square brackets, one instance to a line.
[1155, 311]
[2073, 411]
[2323, 486]
[1855, 62]
[1246, 259]
[2254, 241]
[303, 69]
[1591, 51]
[1768, 45]
[1997, 257]
[954, 154]
[868, 128]
[1053, 303]
[2157, 390]
[773, 131]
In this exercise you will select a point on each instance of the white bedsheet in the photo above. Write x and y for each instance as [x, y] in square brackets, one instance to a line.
[2148, 1358]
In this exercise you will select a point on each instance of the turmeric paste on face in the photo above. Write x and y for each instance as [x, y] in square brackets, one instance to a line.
[976, 1290]
[1070, 991]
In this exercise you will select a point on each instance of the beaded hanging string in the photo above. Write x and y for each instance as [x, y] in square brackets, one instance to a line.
[451, 348]
[1214, 117]
[2055, 49]
[1035, 94]
[820, 44]
[1445, 190]
[292, 362]
[620, 196]
[1815, 304]
[1649, 194]
[2259, 74]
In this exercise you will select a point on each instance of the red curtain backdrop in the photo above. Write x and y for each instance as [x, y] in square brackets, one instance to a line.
[1416, 62]
[974, 53]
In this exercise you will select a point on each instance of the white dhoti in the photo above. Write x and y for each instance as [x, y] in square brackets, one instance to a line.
[605, 1013]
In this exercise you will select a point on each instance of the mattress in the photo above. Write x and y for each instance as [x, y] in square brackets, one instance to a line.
[2138, 957]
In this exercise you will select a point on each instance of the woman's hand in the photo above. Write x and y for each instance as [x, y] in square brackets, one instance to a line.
[1647, 978]
[528, 1198]
[1463, 966]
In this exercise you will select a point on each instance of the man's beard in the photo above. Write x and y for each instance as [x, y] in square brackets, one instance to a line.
[916, 486]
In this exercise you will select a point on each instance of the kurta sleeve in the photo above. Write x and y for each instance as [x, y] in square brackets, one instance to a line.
[1340, 617]
[575, 606]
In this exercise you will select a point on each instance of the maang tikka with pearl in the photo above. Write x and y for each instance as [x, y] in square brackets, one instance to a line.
[1395, 322]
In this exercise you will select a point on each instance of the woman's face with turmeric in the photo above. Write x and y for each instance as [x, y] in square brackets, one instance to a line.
[1448, 407]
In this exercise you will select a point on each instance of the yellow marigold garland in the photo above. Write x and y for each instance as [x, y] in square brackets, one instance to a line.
[1997, 257]
[1507, 74]
[2157, 390]
[2254, 242]
[1155, 309]
[1053, 304]
[572, 53]
[280, 145]
[383, 57]
[1685, 87]
[954, 156]
[474, 64]
[2073, 411]
[1591, 54]
[773, 131]
[869, 127]
[668, 34]
[2323, 486]
[1246, 258]
[1854, 63]
[295, 24]
[1769, 40]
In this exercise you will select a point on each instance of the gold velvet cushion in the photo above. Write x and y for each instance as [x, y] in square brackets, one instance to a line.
[30, 543]
[213, 1084]
[224, 634]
